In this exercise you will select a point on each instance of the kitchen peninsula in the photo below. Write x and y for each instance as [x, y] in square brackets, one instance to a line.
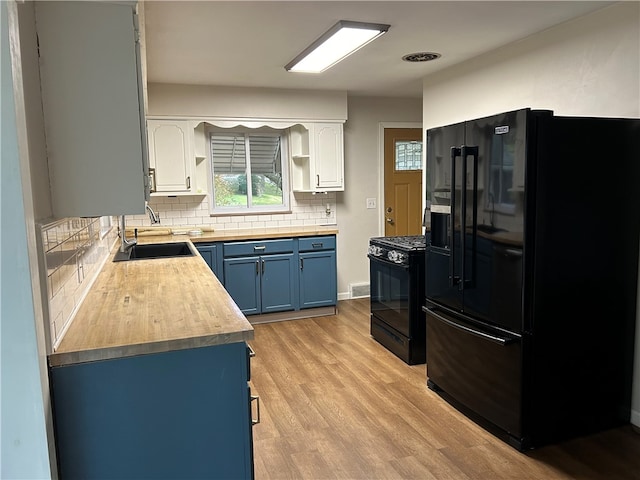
[150, 379]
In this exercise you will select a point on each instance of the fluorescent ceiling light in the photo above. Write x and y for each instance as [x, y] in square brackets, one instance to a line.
[338, 42]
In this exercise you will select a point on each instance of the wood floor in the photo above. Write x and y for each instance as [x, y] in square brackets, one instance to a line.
[335, 404]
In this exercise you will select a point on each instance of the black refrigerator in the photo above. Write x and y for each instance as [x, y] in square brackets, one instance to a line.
[531, 272]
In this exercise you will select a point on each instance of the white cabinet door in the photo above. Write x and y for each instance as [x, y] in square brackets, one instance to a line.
[93, 108]
[317, 157]
[328, 152]
[171, 155]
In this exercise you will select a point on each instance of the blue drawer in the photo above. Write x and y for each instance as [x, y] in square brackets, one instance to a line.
[265, 247]
[311, 244]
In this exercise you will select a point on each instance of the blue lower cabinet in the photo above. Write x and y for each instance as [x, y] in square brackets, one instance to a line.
[317, 276]
[242, 282]
[318, 279]
[277, 275]
[180, 414]
[262, 284]
[212, 254]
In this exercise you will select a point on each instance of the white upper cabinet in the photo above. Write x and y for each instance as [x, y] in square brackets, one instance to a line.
[171, 156]
[317, 157]
[328, 151]
[93, 107]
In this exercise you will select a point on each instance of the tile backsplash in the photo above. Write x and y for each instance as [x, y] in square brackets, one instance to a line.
[306, 209]
[74, 250]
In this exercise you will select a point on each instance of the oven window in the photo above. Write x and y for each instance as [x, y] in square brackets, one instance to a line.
[390, 294]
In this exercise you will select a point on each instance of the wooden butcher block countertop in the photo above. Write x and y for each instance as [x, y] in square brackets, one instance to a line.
[205, 235]
[158, 305]
[150, 306]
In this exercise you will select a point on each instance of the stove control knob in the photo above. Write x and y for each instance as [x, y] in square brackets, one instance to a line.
[396, 257]
[375, 250]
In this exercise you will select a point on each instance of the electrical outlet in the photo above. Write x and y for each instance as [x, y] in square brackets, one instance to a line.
[371, 203]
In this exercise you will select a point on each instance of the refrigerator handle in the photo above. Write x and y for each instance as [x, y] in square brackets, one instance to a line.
[469, 280]
[504, 341]
[463, 218]
[453, 280]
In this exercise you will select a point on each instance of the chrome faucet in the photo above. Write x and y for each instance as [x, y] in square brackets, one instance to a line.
[153, 216]
[126, 244]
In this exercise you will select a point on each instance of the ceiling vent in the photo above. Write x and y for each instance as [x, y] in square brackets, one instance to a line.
[421, 57]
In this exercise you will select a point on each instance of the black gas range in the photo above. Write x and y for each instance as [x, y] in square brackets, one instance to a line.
[397, 295]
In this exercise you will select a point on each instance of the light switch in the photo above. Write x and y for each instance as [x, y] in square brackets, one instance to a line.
[371, 203]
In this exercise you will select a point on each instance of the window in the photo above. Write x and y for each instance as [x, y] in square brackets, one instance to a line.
[247, 171]
[408, 155]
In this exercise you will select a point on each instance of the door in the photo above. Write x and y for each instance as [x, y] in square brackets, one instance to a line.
[390, 291]
[170, 154]
[329, 156]
[479, 367]
[242, 282]
[495, 219]
[403, 181]
[443, 253]
[277, 282]
[317, 279]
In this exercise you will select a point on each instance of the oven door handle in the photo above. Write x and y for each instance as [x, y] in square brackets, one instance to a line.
[492, 338]
[387, 262]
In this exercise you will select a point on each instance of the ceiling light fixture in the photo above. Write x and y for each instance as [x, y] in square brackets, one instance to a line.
[340, 41]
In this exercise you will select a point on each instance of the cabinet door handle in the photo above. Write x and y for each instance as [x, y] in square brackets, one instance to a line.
[317, 180]
[256, 398]
[263, 267]
[188, 182]
[251, 352]
[302, 264]
[257, 267]
[152, 180]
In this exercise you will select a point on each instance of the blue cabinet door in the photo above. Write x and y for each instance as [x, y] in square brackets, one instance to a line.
[242, 282]
[211, 254]
[318, 284]
[181, 414]
[278, 282]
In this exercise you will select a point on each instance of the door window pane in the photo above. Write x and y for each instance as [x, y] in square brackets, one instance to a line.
[408, 155]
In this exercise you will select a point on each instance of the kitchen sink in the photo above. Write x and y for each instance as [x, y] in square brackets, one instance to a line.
[155, 250]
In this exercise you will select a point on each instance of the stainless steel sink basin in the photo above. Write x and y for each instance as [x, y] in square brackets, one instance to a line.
[155, 250]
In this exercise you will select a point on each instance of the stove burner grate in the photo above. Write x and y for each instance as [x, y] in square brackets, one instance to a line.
[408, 242]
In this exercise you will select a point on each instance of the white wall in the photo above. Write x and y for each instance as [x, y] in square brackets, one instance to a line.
[237, 102]
[362, 180]
[589, 66]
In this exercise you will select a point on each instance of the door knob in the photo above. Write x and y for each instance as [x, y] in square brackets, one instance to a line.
[389, 220]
